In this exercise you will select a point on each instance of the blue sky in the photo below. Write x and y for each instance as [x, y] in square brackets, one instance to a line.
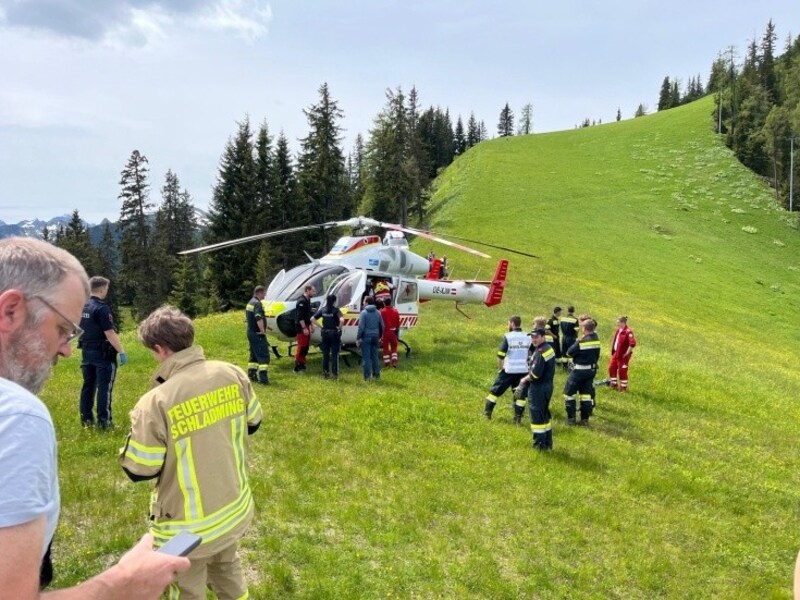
[85, 82]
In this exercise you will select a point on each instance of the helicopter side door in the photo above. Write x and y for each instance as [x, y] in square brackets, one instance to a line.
[406, 301]
[349, 291]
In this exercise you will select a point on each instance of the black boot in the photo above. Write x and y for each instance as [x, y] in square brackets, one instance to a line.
[263, 378]
[519, 411]
[488, 408]
[251, 373]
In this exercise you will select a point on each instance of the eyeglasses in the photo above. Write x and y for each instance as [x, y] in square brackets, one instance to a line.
[74, 329]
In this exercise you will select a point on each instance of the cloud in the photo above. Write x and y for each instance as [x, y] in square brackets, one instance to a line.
[135, 22]
[247, 18]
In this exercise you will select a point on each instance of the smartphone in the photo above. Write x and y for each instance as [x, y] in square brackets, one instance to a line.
[182, 544]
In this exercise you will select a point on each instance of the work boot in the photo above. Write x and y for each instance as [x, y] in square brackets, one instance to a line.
[584, 422]
[487, 409]
[519, 411]
[517, 419]
[571, 421]
[263, 378]
[251, 373]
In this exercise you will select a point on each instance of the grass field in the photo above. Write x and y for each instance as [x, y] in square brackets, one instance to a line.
[686, 487]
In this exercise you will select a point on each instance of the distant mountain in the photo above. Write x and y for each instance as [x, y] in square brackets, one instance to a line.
[35, 227]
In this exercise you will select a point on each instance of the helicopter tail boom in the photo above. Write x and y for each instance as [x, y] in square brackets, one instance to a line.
[489, 293]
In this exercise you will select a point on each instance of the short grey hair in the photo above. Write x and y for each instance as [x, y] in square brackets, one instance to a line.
[36, 267]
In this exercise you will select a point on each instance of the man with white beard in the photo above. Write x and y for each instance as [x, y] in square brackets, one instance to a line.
[42, 292]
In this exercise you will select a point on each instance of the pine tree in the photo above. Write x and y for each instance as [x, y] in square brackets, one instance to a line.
[505, 126]
[264, 216]
[473, 131]
[321, 180]
[619, 114]
[286, 249]
[767, 67]
[459, 137]
[526, 120]
[417, 164]
[75, 239]
[665, 95]
[139, 287]
[109, 268]
[641, 110]
[231, 217]
[184, 290]
[387, 182]
[174, 230]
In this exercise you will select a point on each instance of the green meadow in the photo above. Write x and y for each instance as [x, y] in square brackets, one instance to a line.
[688, 486]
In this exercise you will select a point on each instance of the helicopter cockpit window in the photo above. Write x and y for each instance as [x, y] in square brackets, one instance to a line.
[293, 282]
[346, 289]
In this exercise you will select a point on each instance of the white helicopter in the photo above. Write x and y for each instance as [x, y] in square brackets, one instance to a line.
[352, 267]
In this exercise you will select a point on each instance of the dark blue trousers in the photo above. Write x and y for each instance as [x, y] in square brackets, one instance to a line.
[98, 380]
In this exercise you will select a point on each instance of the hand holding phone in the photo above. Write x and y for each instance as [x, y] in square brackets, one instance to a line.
[182, 544]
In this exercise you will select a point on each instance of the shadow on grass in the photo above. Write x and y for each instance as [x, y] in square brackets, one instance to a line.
[575, 459]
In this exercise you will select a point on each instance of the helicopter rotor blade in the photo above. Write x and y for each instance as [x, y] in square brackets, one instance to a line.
[258, 236]
[429, 236]
[463, 239]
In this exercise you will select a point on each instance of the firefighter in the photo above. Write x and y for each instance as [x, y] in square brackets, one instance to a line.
[512, 361]
[257, 337]
[569, 334]
[391, 332]
[100, 346]
[539, 381]
[621, 351]
[554, 329]
[189, 433]
[584, 353]
[304, 324]
[541, 323]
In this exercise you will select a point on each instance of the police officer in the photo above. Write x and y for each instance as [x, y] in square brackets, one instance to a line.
[512, 360]
[257, 337]
[540, 390]
[100, 345]
[332, 321]
[189, 433]
[569, 333]
[554, 329]
[585, 353]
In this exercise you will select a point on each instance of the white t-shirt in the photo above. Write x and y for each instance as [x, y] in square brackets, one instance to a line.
[28, 460]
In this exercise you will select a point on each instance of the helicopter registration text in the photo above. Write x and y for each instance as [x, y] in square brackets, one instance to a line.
[440, 290]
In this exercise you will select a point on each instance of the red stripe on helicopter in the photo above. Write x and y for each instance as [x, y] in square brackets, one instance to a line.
[405, 321]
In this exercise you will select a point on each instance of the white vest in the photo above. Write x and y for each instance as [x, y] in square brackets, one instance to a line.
[516, 360]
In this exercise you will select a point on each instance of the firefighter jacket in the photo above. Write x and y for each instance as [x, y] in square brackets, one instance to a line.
[253, 313]
[569, 327]
[623, 340]
[190, 431]
[513, 351]
[553, 326]
[543, 365]
[586, 351]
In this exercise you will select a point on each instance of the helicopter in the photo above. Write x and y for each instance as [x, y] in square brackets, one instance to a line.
[355, 264]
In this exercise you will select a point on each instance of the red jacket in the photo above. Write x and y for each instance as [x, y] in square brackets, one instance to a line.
[623, 339]
[391, 319]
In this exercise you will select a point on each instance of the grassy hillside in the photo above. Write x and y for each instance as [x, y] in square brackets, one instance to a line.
[687, 487]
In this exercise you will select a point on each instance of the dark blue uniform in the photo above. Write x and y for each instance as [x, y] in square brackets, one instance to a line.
[259, 349]
[540, 391]
[331, 339]
[585, 353]
[99, 362]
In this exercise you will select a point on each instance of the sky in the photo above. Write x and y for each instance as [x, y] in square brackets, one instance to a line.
[83, 83]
